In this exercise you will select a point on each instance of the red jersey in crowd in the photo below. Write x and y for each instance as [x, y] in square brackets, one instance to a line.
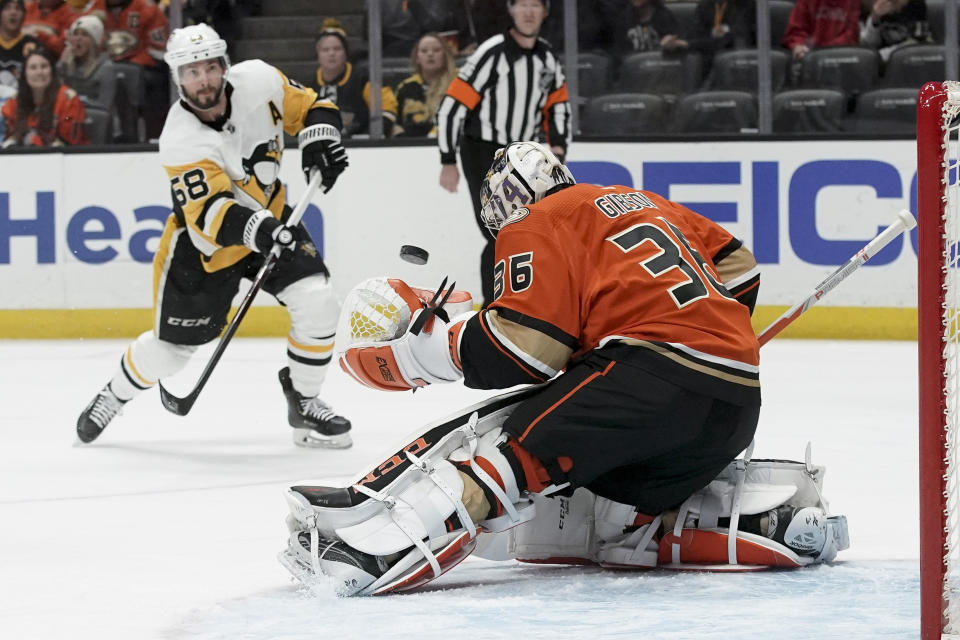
[49, 26]
[136, 33]
[68, 121]
[823, 23]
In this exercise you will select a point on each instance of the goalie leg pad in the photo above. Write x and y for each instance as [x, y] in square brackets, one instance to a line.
[409, 504]
[780, 501]
[793, 529]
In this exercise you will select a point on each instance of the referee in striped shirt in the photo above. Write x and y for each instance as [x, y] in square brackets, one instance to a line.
[512, 88]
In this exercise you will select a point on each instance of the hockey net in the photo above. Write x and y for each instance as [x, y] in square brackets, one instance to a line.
[938, 203]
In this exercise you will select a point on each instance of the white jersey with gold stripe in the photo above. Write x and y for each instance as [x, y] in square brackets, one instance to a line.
[222, 172]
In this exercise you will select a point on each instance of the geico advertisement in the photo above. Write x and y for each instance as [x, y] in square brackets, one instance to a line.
[80, 230]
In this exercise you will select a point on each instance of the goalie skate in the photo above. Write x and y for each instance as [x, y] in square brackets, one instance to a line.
[357, 573]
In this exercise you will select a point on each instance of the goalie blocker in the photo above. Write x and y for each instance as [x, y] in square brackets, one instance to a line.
[458, 487]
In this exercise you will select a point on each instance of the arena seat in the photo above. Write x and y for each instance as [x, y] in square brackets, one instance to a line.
[852, 70]
[736, 70]
[593, 73]
[717, 112]
[624, 114]
[885, 111]
[809, 111]
[99, 125]
[914, 65]
[659, 74]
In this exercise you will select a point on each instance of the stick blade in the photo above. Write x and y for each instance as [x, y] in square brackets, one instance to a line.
[173, 404]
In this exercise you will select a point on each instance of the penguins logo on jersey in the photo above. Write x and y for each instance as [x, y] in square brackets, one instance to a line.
[263, 165]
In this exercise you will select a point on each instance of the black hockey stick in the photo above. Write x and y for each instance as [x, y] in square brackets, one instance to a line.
[182, 406]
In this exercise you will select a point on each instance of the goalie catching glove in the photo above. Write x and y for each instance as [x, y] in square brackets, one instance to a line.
[413, 341]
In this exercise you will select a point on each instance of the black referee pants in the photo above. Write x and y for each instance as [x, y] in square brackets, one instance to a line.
[476, 156]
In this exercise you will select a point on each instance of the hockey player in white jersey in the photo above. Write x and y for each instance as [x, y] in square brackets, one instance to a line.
[221, 147]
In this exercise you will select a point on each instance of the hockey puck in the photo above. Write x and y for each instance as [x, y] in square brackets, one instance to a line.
[414, 254]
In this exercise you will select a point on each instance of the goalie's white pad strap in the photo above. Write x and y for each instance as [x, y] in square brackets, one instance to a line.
[402, 523]
[636, 550]
[415, 510]
[456, 498]
[741, 464]
[488, 449]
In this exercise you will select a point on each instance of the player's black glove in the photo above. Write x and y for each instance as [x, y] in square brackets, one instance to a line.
[320, 149]
[270, 232]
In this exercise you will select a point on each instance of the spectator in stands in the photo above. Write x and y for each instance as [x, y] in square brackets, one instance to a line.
[419, 95]
[719, 25]
[482, 19]
[891, 24]
[399, 27]
[590, 35]
[647, 25]
[338, 81]
[136, 33]
[47, 20]
[44, 112]
[14, 45]
[822, 23]
[436, 15]
[85, 66]
[724, 24]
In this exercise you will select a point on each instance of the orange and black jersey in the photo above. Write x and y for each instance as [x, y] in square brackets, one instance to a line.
[589, 265]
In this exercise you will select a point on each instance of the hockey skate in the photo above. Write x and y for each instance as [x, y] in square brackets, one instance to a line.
[315, 423]
[98, 414]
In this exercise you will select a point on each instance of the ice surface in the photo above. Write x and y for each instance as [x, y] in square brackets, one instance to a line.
[169, 527]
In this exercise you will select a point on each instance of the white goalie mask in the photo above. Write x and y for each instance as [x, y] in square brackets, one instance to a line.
[192, 44]
[521, 174]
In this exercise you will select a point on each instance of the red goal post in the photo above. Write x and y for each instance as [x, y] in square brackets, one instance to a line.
[938, 303]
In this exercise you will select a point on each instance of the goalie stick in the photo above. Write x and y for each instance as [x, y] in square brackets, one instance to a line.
[905, 222]
[182, 406]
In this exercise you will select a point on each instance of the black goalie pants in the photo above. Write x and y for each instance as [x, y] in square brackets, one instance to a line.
[632, 436]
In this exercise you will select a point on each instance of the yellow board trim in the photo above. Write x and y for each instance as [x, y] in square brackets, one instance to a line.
[47, 324]
[840, 323]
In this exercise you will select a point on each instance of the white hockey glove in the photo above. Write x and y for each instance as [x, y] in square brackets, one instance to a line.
[320, 149]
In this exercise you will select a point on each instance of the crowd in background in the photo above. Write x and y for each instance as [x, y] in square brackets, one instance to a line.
[79, 71]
